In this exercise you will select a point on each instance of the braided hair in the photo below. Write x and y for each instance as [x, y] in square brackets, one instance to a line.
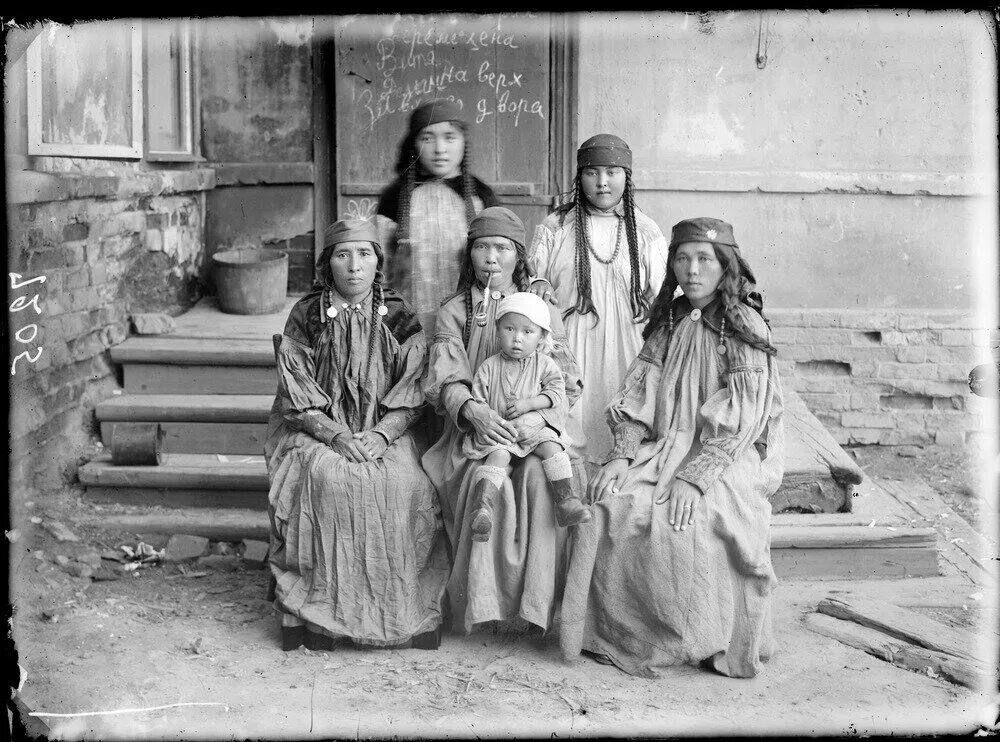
[584, 297]
[737, 286]
[467, 279]
[324, 283]
[407, 167]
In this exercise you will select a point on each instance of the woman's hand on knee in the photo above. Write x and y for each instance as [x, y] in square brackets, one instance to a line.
[350, 448]
[608, 479]
[493, 428]
[681, 498]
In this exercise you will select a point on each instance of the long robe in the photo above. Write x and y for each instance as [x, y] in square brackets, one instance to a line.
[605, 345]
[357, 549]
[519, 571]
[639, 592]
[425, 268]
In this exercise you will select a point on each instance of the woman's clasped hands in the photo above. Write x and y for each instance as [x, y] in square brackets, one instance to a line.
[360, 447]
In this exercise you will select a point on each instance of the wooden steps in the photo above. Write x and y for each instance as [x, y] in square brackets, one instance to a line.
[165, 378]
[205, 408]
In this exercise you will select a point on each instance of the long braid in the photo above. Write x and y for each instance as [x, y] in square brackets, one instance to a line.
[468, 185]
[405, 195]
[640, 304]
[584, 300]
[376, 329]
[467, 331]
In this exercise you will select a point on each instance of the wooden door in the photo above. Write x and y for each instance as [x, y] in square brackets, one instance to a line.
[507, 71]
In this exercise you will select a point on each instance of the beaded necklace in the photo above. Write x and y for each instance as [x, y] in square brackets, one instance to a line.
[618, 242]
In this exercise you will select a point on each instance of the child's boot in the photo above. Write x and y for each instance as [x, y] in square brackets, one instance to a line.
[484, 495]
[570, 510]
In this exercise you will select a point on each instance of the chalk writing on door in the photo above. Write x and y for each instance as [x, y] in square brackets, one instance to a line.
[427, 57]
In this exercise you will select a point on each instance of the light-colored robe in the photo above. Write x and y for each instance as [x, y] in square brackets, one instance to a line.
[639, 592]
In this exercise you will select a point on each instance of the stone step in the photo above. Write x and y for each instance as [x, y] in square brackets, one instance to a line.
[204, 408]
[211, 438]
[167, 378]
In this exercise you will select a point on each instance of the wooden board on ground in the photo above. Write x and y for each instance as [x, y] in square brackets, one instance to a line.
[164, 378]
[852, 537]
[179, 498]
[218, 524]
[854, 564]
[961, 545]
[903, 624]
[198, 351]
[899, 652]
[217, 408]
[198, 437]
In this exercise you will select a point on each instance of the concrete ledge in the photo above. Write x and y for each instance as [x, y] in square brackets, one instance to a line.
[262, 173]
[32, 186]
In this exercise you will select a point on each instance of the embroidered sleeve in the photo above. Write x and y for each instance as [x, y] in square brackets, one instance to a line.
[733, 418]
[447, 382]
[632, 410]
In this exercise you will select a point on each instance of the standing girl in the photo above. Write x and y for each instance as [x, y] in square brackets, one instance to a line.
[431, 204]
[675, 567]
[605, 261]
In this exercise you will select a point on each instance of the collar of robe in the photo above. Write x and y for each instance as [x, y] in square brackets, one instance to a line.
[618, 210]
[711, 314]
[334, 304]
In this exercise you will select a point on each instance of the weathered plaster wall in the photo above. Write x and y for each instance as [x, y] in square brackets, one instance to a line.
[855, 153]
[848, 106]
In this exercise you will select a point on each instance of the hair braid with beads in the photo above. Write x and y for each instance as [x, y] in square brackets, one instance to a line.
[581, 258]
[737, 286]
[378, 299]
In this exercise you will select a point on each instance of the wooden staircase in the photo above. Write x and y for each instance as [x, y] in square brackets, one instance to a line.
[210, 384]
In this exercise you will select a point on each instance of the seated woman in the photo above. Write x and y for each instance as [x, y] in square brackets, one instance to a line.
[675, 567]
[518, 570]
[357, 547]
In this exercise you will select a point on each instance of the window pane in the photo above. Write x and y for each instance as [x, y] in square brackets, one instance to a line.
[87, 84]
[166, 67]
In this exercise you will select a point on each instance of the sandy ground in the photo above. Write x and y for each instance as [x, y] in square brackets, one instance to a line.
[158, 637]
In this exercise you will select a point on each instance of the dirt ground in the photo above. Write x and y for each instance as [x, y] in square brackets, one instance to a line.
[158, 636]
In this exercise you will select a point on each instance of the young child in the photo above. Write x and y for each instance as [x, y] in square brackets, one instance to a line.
[430, 204]
[524, 385]
[604, 261]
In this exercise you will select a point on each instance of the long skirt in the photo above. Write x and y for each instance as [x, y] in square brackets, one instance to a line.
[649, 597]
[357, 550]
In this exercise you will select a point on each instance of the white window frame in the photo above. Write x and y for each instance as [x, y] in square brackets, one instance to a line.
[132, 151]
[189, 104]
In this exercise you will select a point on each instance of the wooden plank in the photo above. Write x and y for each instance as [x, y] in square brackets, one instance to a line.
[178, 498]
[225, 438]
[897, 652]
[209, 350]
[964, 547]
[222, 476]
[218, 524]
[854, 564]
[902, 624]
[234, 408]
[162, 378]
[801, 424]
[206, 320]
[852, 537]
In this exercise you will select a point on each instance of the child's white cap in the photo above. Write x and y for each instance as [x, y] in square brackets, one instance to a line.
[531, 306]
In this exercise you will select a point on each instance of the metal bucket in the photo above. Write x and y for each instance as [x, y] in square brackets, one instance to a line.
[251, 281]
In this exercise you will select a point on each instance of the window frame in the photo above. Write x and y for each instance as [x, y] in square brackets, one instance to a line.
[190, 108]
[36, 146]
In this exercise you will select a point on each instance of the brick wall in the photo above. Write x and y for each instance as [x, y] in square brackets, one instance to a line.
[107, 248]
[301, 262]
[887, 376]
